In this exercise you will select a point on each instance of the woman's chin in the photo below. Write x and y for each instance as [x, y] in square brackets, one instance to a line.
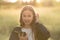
[27, 23]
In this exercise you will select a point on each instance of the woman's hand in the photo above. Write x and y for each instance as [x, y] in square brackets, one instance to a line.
[23, 37]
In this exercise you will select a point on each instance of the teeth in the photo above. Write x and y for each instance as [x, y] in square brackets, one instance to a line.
[26, 21]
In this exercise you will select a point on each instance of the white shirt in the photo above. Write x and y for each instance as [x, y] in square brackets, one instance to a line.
[29, 33]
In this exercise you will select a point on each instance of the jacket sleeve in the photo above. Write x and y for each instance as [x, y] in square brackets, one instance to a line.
[45, 31]
[14, 35]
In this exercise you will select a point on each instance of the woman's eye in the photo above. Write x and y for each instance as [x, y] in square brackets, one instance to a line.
[24, 15]
[29, 15]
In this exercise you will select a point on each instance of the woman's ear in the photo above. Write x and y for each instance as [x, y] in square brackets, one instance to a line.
[37, 17]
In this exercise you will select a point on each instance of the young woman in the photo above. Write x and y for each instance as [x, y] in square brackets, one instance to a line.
[30, 29]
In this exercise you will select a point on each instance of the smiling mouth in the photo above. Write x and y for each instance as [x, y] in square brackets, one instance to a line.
[27, 21]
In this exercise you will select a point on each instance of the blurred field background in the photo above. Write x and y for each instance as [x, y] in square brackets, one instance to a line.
[48, 10]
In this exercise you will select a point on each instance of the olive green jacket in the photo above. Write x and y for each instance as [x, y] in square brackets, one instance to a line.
[44, 34]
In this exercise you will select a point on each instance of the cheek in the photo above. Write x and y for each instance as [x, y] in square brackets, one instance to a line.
[31, 18]
[27, 20]
[23, 18]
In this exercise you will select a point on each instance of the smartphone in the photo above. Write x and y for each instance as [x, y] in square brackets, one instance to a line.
[23, 34]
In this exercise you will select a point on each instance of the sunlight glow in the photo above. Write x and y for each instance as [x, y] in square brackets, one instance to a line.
[12, 1]
[38, 1]
[26, 1]
[57, 0]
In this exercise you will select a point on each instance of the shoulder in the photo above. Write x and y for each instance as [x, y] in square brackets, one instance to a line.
[43, 29]
[17, 29]
[39, 25]
[14, 34]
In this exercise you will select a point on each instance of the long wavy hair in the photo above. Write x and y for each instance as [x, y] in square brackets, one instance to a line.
[30, 9]
[33, 26]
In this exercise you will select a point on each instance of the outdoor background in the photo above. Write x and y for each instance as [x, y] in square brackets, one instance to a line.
[48, 10]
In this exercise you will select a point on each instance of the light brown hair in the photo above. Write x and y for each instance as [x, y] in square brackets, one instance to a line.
[35, 29]
[30, 9]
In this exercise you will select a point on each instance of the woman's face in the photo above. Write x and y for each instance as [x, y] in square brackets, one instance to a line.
[27, 17]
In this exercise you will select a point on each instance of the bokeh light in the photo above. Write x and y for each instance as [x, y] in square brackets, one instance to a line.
[12, 1]
[57, 0]
[26, 1]
[38, 1]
